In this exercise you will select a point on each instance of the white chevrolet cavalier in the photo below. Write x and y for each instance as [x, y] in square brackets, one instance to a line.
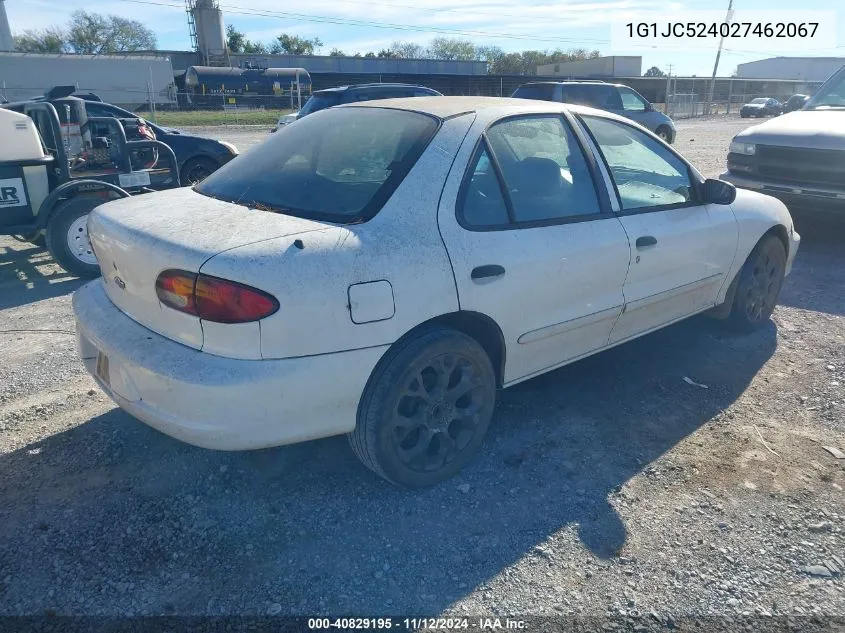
[379, 269]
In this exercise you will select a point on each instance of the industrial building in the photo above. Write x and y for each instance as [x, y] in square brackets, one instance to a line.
[798, 68]
[126, 81]
[598, 67]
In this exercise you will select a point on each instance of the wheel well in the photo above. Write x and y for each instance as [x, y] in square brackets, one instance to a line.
[779, 231]
[481, 328]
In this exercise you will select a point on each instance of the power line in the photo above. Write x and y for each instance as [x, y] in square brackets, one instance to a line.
[305, 17]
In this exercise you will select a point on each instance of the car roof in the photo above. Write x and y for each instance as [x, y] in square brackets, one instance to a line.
[570, 82]
[446, 107]
[373, 85]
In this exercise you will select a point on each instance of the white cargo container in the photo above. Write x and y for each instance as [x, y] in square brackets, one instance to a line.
[119, 79]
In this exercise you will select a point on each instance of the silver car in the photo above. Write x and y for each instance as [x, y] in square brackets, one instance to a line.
[615, 98]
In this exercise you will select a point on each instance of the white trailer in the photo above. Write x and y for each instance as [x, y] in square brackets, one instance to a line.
[123, 80]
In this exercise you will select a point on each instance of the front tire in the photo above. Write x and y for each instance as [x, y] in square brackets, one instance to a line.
[67, 237]
[759, 285]
[426, 409]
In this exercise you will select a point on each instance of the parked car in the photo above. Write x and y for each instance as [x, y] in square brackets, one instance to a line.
[615, 98]
[761, 107]
[382, 268]
[795, 102]
[798, 158]
[284, 120]
[198, 156]
[330, 97]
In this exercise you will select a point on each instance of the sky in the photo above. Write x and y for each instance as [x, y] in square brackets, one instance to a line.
[511, 24]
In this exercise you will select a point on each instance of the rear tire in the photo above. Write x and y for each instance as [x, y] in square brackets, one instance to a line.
[759, 285]
[426, 408]
[665, 134]
[196, 170]
[67, 237]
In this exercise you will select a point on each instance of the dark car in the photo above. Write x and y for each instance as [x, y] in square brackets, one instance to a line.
[197, 156]
[322, 99]
[795, 102]
[615, 98]
[761, 107]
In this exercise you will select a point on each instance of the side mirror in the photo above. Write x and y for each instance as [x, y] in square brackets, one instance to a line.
[719, 192]
[649, 107]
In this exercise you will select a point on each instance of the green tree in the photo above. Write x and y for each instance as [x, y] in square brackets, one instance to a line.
[336, 52]
[97, 34]
[49, 40]
[654, 71]
[295, 45]
[451, 49]
[235, 40]
[407, 50]
[386, 53]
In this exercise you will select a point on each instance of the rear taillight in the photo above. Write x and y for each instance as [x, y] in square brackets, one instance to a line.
[213, 299]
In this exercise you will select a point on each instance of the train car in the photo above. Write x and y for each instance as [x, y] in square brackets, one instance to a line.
[208, 86]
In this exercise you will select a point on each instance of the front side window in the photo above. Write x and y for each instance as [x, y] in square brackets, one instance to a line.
[338, 165]
[646, 173]
[545, 174]
[631, 101]
[606, 97]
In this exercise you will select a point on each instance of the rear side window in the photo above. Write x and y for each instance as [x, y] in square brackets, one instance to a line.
[541, 92]
[339, 165]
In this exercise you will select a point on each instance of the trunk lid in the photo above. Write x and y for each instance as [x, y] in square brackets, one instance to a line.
[137, 238]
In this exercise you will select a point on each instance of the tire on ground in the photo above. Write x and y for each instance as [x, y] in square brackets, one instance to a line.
[195, 170]
[759, 285]
[374, 441]
[59, 225]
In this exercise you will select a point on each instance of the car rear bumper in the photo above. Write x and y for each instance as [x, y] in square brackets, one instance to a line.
[798, 195]
[211, 401]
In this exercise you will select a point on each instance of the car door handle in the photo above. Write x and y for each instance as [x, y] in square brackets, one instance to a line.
[646, 240]
[490, 270]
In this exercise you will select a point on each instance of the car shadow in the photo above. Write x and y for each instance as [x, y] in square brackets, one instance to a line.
[28, 273]
[201, 532]
[817, 282]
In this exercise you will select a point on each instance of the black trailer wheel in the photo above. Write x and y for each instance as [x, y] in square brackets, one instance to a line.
[67, 236]
[196, 170]
[426, 408]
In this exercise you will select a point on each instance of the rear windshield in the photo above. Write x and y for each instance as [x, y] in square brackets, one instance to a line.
[339, 165]
[319, 101]
[541, 92]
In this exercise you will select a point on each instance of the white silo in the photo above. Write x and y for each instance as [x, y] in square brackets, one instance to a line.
[211, 35]
[6, 41]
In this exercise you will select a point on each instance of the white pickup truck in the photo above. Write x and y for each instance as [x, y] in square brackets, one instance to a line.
[798, 157]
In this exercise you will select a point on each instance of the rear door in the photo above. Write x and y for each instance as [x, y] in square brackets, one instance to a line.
[533, 242]
[681, 248]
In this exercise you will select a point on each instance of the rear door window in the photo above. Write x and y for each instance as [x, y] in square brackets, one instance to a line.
[545, 177]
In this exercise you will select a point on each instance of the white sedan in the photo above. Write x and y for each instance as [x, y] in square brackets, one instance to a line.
[380, 269]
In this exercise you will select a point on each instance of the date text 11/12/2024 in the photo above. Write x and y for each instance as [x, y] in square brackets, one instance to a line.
[385, 624]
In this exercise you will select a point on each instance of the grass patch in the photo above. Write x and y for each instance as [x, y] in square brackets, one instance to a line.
[211, 118]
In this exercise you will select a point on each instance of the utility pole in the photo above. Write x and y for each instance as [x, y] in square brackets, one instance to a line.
[728, 19]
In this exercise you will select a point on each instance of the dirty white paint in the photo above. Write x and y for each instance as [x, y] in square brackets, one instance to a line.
[346, 293]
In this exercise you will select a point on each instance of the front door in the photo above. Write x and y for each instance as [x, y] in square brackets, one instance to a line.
[681, 248]
[532, 244]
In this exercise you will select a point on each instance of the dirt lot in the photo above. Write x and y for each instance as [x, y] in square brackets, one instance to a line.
[610, 487]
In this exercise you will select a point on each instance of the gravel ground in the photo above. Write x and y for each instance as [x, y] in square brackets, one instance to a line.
[610, 487]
